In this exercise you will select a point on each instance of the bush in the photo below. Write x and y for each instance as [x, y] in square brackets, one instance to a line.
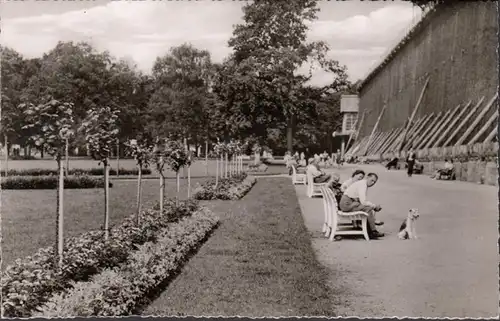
[75, 171]
[29, 282]
[257, 168]
[227, 188]
[50, 182]
[117, 292]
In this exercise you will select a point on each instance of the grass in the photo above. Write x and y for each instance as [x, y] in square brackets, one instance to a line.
[28, 216]
[259, 262]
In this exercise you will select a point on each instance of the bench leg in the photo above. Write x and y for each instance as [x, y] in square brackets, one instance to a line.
[364, 225]
[334, 230]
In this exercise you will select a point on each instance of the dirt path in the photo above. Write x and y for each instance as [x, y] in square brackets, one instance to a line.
[451, 271]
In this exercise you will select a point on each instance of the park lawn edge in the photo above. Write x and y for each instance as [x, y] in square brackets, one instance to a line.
[28, 283]
[118, 291]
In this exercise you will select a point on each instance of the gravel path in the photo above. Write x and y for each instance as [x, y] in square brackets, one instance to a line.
[451, 271]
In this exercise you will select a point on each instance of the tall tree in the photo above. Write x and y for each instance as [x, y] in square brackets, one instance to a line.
[269, 49]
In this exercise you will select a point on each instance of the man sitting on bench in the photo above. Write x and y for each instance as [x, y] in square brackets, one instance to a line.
[392, 164]
[447, 172]
[318, 175]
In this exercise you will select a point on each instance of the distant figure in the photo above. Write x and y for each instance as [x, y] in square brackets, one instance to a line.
[338, 157]
[410, 160]
[302, 161]
[318, 175]
[393, 163]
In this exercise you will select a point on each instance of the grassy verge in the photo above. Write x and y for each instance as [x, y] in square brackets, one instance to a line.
[28, 216]
[259, 262]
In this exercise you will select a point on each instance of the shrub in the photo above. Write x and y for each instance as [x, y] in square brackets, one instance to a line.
[257, 168]
[75, 171]
[227, 189]
[29, 282]
[50, 182]
[116, 292]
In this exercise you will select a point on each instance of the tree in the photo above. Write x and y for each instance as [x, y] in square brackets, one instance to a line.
[261, 79]
[160, 159]
[177, 159]
[51, 124]
[141, 149]
[177, 106]
[101, 130]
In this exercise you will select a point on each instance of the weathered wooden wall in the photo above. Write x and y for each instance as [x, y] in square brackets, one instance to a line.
[456, 46]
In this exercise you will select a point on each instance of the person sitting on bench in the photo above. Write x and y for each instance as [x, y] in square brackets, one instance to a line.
[318, 175]
[446, 171]
[356, 176]
[392, 163]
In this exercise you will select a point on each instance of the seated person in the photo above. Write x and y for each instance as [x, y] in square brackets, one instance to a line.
[418, 168]
[356, 176]
[393, 163]
[318, 175]
[447, 170]
[335, 185]
[354, 199]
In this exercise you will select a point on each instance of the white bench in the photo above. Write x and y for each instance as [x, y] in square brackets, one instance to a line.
[333, 216]
[298, 178]
[313, 189]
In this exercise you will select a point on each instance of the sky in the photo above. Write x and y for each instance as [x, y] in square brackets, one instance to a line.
[359, 33]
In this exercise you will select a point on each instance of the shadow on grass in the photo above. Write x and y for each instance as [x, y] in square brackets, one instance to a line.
[259, 262]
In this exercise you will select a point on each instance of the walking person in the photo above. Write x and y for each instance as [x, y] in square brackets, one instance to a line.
[410, 161]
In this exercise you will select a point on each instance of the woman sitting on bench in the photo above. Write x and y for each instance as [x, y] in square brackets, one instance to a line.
[447, 171]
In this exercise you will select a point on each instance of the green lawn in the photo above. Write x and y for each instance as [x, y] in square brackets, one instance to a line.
[259, 262]
[28, 216]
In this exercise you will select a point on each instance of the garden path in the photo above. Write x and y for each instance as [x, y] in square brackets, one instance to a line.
[451, 271]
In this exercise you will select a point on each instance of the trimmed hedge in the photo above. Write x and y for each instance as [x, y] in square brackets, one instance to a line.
[30, 282]
[50, 182]
[117, 292]
[75, 171]
[257, 168]
[227, 188]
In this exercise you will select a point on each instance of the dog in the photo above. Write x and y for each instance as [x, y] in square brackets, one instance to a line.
[407, 229]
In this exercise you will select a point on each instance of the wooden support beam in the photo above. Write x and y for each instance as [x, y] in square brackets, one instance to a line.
[375, 128]
[384, 141]
[451, 125]
[492, 135]
[464, 121]
[395, 139]
[403, 139]
[413, 129]
[375, 140]
[474, 124]
[419, 139]
[361, 143]
[356, 133]
[485, 127]
[355, 146]
[389, 141]
[434, 129]
[442, 126]
[417, 131]
[379, 142]
[362, 147]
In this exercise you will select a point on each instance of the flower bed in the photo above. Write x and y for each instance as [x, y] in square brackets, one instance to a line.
[117, 292]
[50, 182]
[75, 171]
[29, 282]
[259, 168]
[227, 188]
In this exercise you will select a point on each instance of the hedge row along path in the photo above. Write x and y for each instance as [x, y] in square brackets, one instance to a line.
[259, 262]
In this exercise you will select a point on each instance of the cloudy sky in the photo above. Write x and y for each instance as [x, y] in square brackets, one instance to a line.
[359, 33]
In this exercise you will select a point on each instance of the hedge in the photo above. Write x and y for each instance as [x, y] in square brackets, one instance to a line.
[117, 292]
[227, 188]
[75, 171]
[50, 182]
[30, 282]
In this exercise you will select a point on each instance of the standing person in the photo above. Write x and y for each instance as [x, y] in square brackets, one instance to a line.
[338, 157]
[410, 161]
[354, 199]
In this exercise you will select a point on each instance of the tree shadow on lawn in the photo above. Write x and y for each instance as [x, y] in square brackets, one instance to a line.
[29, 216]
[259, 262]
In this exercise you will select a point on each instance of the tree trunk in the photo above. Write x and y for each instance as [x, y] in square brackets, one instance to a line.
[221, 166]
[226, 175]
[118, 158]
[139, 192]
[289, 134]
[60, 216]
[6, 155]
[189, 181]
[178, 187]
[106, 199]
[206, 159]
[67, 157]
[216, 171]
[162, 191]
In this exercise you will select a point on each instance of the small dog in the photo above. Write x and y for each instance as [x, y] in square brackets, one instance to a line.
[407, 229]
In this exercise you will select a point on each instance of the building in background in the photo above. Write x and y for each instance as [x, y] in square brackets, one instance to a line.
[349, 106]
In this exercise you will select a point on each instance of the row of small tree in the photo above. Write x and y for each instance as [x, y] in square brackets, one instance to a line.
[229, 159]
[52, 125]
